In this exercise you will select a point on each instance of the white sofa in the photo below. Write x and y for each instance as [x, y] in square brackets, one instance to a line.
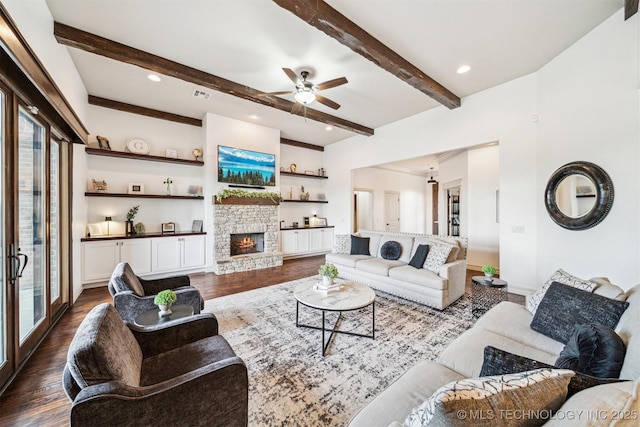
[506, 326]
[396, 276]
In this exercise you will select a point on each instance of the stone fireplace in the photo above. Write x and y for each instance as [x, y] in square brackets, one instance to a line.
[253, 223]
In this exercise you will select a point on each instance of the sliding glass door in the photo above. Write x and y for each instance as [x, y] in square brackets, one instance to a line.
[6, 364]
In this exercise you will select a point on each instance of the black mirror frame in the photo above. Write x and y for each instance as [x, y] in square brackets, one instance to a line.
[604, 195]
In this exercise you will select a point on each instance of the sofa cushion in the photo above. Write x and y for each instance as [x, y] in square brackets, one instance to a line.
[563, 308]
[378, 266]
[345, 259]
[543, 390]
[561, 276]
[391, 250]
[437, 257]
[418, 276]
[374, 241]
[456, 246]
[500, 362]
[104, 349]
[405, 242]
[607, 289]
[512, 321]
[595, 350]
[419, 256]
[617, 402]
[360, 245]
[628, 330]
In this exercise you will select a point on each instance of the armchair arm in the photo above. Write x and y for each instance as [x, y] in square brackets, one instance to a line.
[130, 305]
[456, 274]
[214, 395]
[152, 287]
[162, 338]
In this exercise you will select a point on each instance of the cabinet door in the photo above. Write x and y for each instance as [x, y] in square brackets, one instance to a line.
[303, 241]
[99, 259]
[137, 253]
[315, 240]
[327, 239]
[165, 254]
[289, 242]
[193, 251]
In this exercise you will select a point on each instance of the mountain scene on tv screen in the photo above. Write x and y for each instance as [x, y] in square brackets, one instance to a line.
[236, 166]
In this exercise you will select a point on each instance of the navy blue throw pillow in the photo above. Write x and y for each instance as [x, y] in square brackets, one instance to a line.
[359, 245]
[418, 259]
[391, 250]
[595, 350]
[563, 308]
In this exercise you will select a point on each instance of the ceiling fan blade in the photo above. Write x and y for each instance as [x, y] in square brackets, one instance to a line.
[283, 92]
[292, 75]
[326, 101]
[332, 83]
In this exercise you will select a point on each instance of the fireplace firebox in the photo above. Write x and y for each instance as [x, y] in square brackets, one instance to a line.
[246, 243]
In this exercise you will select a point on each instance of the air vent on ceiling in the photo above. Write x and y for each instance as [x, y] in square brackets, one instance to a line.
[201, 94]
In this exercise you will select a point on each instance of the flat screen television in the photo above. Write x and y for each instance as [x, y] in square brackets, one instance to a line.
[245, 167]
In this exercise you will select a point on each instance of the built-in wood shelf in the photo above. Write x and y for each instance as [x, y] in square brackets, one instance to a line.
[305, 201]
[141, 196]
[147, 157]
[303, 175]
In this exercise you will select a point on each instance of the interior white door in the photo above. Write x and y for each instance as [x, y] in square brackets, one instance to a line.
[391, 211]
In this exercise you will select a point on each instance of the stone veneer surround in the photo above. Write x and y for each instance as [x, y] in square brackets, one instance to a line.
[244, 218]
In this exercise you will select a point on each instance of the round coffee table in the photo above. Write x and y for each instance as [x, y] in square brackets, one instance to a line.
[351, 296]
[152, 317]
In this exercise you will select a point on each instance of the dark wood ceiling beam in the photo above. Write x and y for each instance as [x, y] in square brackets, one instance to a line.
[319, 14]
[301, 144]
[92, 43]
[630, 8]
[143, 111]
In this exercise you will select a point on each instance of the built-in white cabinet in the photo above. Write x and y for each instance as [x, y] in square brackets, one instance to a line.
[177, 253]
[147, 256]
[306, 241]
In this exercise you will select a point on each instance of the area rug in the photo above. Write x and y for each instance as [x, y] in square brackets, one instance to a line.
[292, 384]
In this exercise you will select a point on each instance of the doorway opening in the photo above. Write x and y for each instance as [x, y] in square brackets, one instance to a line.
[362, 209]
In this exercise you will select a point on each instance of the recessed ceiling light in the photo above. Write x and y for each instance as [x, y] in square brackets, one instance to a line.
[253, 116]
[328, 128]
[154, 78]
[463, 69]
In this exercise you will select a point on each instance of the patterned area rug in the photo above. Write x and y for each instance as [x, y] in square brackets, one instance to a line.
[292, 384]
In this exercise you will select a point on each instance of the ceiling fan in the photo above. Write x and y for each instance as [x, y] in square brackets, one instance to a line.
[306, 91]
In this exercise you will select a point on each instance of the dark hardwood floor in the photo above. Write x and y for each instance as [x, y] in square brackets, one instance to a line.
[36, 396]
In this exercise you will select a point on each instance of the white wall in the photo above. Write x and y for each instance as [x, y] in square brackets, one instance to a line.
[412, 201]
[483, 230]
[581, 106]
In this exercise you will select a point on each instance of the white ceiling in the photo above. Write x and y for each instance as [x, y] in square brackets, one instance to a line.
[250, 41]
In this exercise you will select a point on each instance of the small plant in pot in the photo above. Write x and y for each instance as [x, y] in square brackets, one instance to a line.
[489, 271]
[328, 273]
[164, 299]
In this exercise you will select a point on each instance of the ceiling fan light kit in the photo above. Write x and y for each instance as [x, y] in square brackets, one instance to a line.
[305, 97]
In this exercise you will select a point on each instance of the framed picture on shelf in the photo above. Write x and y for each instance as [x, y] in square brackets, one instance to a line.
[94, 230]
[168, 227]
[195, 190]
[196, 227]
[136, 188]
[321, 222]
[171, 153]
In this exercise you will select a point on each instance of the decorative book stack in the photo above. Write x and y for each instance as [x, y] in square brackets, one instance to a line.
[327, 289]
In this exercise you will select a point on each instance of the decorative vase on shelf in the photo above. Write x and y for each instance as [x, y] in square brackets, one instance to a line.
[327, 281]
[130, 230]
[168, 189]
[165, 310]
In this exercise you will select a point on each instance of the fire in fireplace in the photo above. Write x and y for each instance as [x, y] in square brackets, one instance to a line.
[247, 243]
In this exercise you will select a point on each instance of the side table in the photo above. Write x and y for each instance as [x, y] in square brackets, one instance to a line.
[152, 318]
[485, 294]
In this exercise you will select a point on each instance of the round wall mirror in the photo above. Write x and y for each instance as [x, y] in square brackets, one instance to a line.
[579, 195]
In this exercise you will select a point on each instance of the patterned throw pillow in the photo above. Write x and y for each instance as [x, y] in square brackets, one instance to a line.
[494, 400]
[561, 276]
[436, 257]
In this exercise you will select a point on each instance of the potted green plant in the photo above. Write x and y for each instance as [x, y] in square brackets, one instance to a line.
[164, 299]
[328, 273]
[130, 215]
[489, 271]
